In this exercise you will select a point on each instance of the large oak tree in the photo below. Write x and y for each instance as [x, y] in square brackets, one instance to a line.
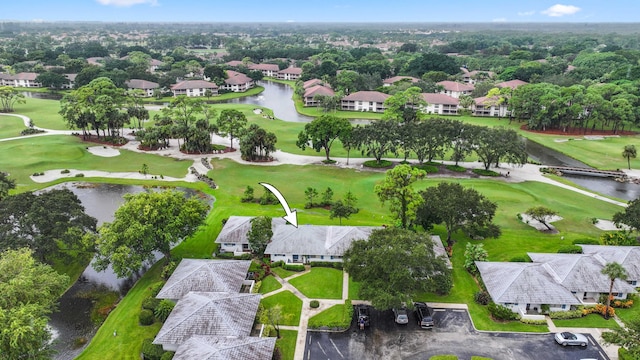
[395, 265]
[397, 190]
[322, 132]
[146, 223]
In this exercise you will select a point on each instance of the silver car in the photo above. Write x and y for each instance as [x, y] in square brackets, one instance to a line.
[401, 315]
[567, 338]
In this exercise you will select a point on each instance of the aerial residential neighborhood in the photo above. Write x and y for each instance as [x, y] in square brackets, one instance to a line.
[205, 180]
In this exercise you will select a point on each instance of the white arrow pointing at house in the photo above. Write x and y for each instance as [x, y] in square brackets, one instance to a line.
[292, 216]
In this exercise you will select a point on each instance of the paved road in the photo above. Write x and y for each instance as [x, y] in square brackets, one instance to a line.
[453, 334]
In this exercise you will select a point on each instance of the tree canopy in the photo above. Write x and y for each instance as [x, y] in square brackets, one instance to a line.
[628, 337]
[6, 184]
[45, 223]
[459, 208]
[260, 234]
[145, 223]
[322, 132]
[395, 265]
[29, 293]
[397, 190]
[630, 216]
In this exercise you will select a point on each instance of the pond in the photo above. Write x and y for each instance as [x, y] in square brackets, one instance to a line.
[72, 320]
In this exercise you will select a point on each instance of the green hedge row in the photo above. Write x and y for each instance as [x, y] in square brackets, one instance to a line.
[327, 264]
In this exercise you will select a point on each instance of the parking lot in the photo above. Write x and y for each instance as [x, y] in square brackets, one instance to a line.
[453, 334]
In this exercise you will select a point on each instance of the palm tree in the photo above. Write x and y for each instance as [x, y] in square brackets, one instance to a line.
[629, 153]
[614, 271]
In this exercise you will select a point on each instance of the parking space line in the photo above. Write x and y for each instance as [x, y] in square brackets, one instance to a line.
[459, 310]
[439, 309]
[321, 348]
[601, 355]
[591, 341]
[338, 350]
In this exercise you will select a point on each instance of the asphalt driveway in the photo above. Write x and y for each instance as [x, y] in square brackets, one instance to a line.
[453, 334]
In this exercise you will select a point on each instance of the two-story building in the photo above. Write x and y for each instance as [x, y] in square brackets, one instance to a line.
[364, 101]
[194, 88]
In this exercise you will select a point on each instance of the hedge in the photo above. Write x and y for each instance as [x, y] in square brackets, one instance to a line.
[327, 264]
[500, 312]
[150, 303]
[586, 242]
[533, 322]
[146, 317]
[563, 315]
[293, 267]
[151, 351]
[570, 249]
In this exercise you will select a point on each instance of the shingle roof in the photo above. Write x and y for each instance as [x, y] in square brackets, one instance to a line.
[312, 82]
[205, 275]
[235, 63]
[141, 84]
[291, 70]
[194, 84]
[318, 90]
[237, 78]
[512, 282]
[579, 272]
[236, 228]
[481, 100]
[209, 313]
[266, 67]
[316, 240]
[374, 96]
[31, 76]
[395, 79]
[223, 348]
[444, 99]
[455, 86]
[511, 84]
[439, 250]
[627, 256]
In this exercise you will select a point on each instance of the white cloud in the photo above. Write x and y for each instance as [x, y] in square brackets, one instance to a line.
[127, 3]
[526, 13]
[559, 10]
[499, 20]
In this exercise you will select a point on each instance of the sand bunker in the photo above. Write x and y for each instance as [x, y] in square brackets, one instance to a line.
[608, 225]
[538, 225]
[103, 151]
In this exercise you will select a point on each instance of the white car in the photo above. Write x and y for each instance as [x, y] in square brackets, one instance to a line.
[567, 338]
[401, 316]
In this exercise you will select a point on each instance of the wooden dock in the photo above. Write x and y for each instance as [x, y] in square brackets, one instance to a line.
[589, 171]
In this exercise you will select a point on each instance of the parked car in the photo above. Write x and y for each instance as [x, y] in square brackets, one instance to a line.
[401, 316]
[363, 315]
[567, 338]
[424, 315]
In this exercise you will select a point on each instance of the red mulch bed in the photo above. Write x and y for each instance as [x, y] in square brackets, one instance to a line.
[578, 132]
[99, 140]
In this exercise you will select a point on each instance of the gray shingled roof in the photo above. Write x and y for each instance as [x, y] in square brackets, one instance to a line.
[529, 283]
[205, 275]
[375, 96]
[194, 84]
[224, 348]
[579, 272]
[209, 313]
[439, 250]
[236, 228]
[316, 240]
[627, 256]
[141, 84]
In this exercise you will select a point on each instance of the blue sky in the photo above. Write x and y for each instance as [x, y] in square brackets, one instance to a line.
[324, 10]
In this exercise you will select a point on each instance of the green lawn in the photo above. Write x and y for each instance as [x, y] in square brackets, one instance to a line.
[290, 304]
[69, 152]
[354, 289]
[269, 284]
[282, 272]
[287, 344]
[589, 321]
[123, 320]
[331, 317]
[43, 113]
[320, 283]
[631, 313]
[10, 126]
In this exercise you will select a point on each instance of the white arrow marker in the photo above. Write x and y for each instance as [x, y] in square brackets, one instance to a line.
[292, 216]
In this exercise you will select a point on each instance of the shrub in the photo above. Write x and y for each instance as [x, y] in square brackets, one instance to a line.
[247, 196]
[429, 169]
[563, 315]
[456, 168]
[482, 297]
[376, 165]
[533, 322]
[268, 198]
[151, 351]
[225, 255]
[586, 242]
[146, 317]
[79, 175]
[483, 172]
[163, 310]
[293, 267]
[599, 309]
[150, 303]
[521, 258]
[156, 287]
[168, 269]
[168, 355]
[624, 304]
[500, 312]
[277, 264]
[314, 304]
[327, 264]
[570, 249]
[65, 171]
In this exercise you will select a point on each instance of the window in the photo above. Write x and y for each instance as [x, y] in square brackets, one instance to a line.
[564, 306]
[321, 257]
